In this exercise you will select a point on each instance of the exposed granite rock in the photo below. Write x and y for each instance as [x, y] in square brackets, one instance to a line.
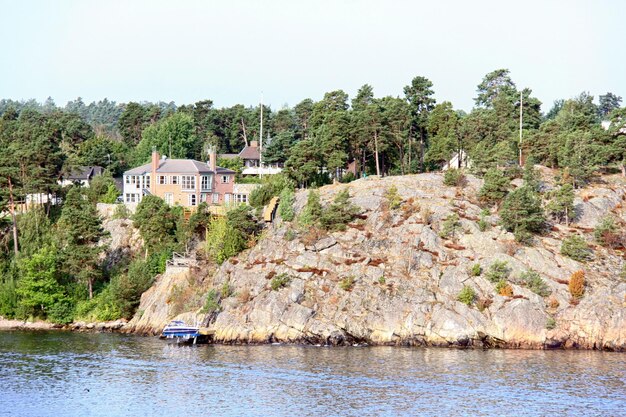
[406, 278]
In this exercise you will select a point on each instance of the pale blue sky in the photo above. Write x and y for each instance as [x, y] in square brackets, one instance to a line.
[231, 51]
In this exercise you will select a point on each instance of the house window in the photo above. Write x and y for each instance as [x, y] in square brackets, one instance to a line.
[203, 198]
[226, 198]
[133, 179]
[127, 179]
[147, 181]
[162, 179]
[169, 198]
[127, 198]
[174, 179]
[225, 179]
[241, 198]
[189, 182]
[216, 198]
[206, 182]
[192, 199]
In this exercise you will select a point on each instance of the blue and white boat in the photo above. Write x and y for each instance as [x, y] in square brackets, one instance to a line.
[179, 331]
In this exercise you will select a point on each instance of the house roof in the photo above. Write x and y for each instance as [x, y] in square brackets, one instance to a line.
[250, 152]
[228, 155]
[178, 166]
[84, 173]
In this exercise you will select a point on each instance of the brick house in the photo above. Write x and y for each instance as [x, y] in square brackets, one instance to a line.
[183, 182]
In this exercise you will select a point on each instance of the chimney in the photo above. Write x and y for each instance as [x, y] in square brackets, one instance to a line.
[254, 143]
[212, 158]
[155, 160]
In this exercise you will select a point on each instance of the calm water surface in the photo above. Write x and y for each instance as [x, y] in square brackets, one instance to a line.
[71, 374]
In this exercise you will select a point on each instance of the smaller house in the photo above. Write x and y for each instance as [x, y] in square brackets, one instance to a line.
[459, 160]
[252, 163]
[81, 175]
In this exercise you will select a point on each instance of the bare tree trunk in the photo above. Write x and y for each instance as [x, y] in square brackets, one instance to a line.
[13, 219]
[90, 285]
[421, 150]
[409, 154]
[245, 137]
[376, 153]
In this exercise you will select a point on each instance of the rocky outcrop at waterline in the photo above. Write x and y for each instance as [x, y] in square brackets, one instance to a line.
[390, 278]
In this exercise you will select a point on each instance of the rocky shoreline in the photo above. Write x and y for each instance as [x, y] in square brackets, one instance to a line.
[392, 278]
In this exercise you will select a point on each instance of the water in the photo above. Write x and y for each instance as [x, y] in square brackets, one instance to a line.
[72, 374]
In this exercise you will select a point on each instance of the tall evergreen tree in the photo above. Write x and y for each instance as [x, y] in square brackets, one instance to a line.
[421, 103]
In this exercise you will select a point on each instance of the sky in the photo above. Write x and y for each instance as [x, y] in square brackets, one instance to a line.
[281, 52]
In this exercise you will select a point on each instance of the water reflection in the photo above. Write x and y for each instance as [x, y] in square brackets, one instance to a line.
[56, 373]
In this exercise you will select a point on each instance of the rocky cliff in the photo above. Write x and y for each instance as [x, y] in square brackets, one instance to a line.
[391, 279]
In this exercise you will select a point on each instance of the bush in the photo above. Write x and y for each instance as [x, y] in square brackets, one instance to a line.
[483, 224]
[280, 281]
[226, 290]
[121, 212]
[339, 213]
[347, 283]
[285, 206]
[476, 270]
[212, 303]
[312, 211]
[271, 187]
[561, 205]
[449, 226]
[550, 323]
[606, 233]
[495, 188]
[392, 198]
[453, 177]
[576, 248]
[504, 288]
[522, 213]
[498, 270]
[467, 295]
[535, 283]
[290, 235]
[577, 284]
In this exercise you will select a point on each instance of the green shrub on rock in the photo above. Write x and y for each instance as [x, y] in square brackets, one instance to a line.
[467, 295]
[498, 270]
[576, 248]
[535, 283]
[495, 188]
[347, 283]
[476, 270]
[453, 177]
[280, 281]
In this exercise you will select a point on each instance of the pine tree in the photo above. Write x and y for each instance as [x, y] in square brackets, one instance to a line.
[561, 206]
[495, 188]
[522, 214]
[80, 230]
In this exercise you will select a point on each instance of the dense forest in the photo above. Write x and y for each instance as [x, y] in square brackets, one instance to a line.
[51, 266]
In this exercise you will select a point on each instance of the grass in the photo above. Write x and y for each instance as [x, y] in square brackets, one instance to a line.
[280, 281]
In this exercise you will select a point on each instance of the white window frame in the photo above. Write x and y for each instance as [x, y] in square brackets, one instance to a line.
[206, 182]
[162, 179]
[174, 180]
[188, 182]
[169, 198]
[215, 198]
[192, 200]
[225, 179]
[147, 181]
[227, 198]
